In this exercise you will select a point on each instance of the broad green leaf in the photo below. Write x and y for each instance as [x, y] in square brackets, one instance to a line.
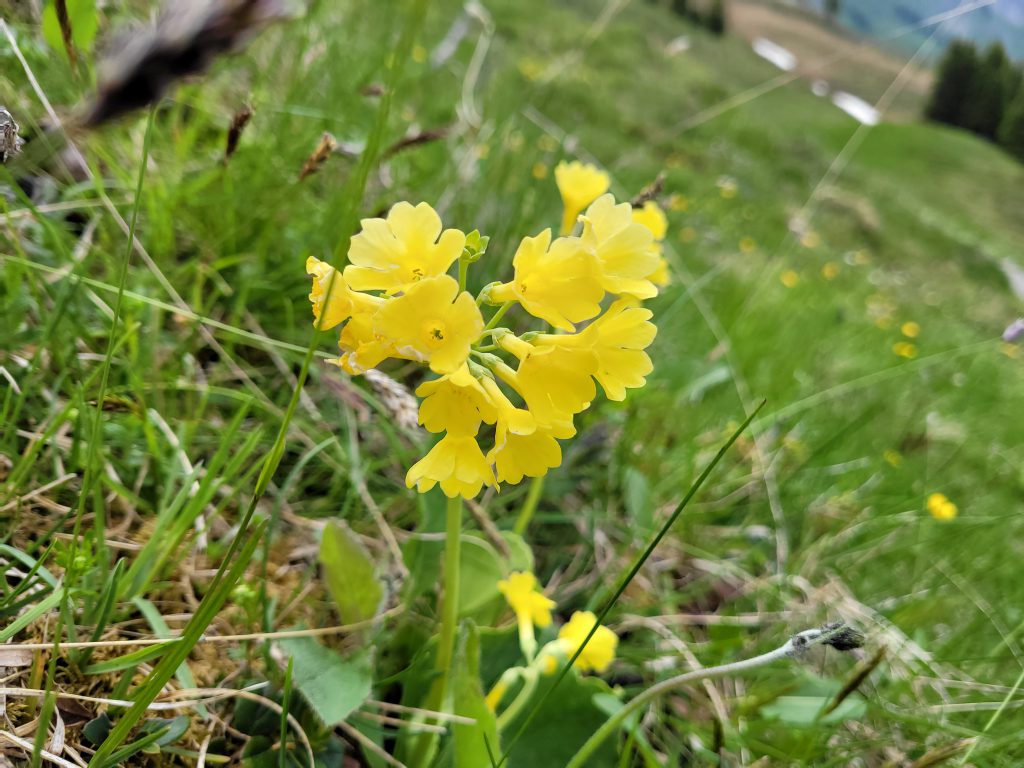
[805, 710]
[481, 569]
[520, 556]
[332, 684]
[565, 720]
[350, 575]
[468, 694]
[84, 24]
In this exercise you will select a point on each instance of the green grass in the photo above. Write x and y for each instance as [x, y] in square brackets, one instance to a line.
[916, 227]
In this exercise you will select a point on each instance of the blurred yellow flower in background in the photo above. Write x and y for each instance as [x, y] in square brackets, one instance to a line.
[599, 652]
[910, 329]
[579, 184]
[940, 507]
[540, 171]
[529, 604]
[905, 349]
[829, 270]
[747, 244]
[789, 278]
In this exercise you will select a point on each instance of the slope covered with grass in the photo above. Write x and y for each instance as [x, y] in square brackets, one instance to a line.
[851, 277]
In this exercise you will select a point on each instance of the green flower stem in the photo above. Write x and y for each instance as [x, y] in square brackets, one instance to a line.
[793, 648]
[529, 505]
[498, 315]
[437, 698]
[463, 273]
[530, 677]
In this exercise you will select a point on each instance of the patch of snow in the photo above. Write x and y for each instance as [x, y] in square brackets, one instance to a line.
[856, 108]
[774, 53]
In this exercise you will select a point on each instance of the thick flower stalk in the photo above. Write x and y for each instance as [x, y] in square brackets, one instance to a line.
[501, 401]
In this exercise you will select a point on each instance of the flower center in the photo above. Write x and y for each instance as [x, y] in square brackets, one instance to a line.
[435, 333]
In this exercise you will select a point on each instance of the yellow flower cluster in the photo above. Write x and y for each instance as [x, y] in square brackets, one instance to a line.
[396, 299]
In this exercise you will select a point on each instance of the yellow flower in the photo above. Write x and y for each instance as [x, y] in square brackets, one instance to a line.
[810, 240]
[905, 349]
[579, 185]
[554, 381]
[457, 463]
[747, 244]
[540, 171]
[617, 339]
[343, 300]
[652, 217]
[509, 418]
[389, 254]
[789, 278]
[517, 455]
[598, 652]
[940, 507]
[455, 403]
[661, 276]
[892, 458]
[362, 349]
[431, 322]
[677, 202]
[910, 329]
[830, 270]
[520, 589]
[624, 249]
[557, 282]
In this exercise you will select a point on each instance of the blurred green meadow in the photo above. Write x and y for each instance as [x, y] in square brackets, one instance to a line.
[854, 278]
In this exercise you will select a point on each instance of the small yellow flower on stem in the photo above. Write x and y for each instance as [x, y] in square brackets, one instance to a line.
[389, 254]
[457, 463]
[455, 403]
[617, 340]
[557, 282]
[580, 185]
[343, 303]
[624, 249]
[555, 382]
[598, 652]
[532, 608]
[941, 508]
[432, 322]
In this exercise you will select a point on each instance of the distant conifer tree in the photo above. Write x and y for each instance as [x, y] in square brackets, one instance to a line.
[953, 83]
[715, 18]
[1011, 131]
[983, 111]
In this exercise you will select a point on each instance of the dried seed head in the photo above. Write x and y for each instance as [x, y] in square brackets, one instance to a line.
[10, 141]
[323, 150]
[398, 400]
[186, 39]
[842, 637]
